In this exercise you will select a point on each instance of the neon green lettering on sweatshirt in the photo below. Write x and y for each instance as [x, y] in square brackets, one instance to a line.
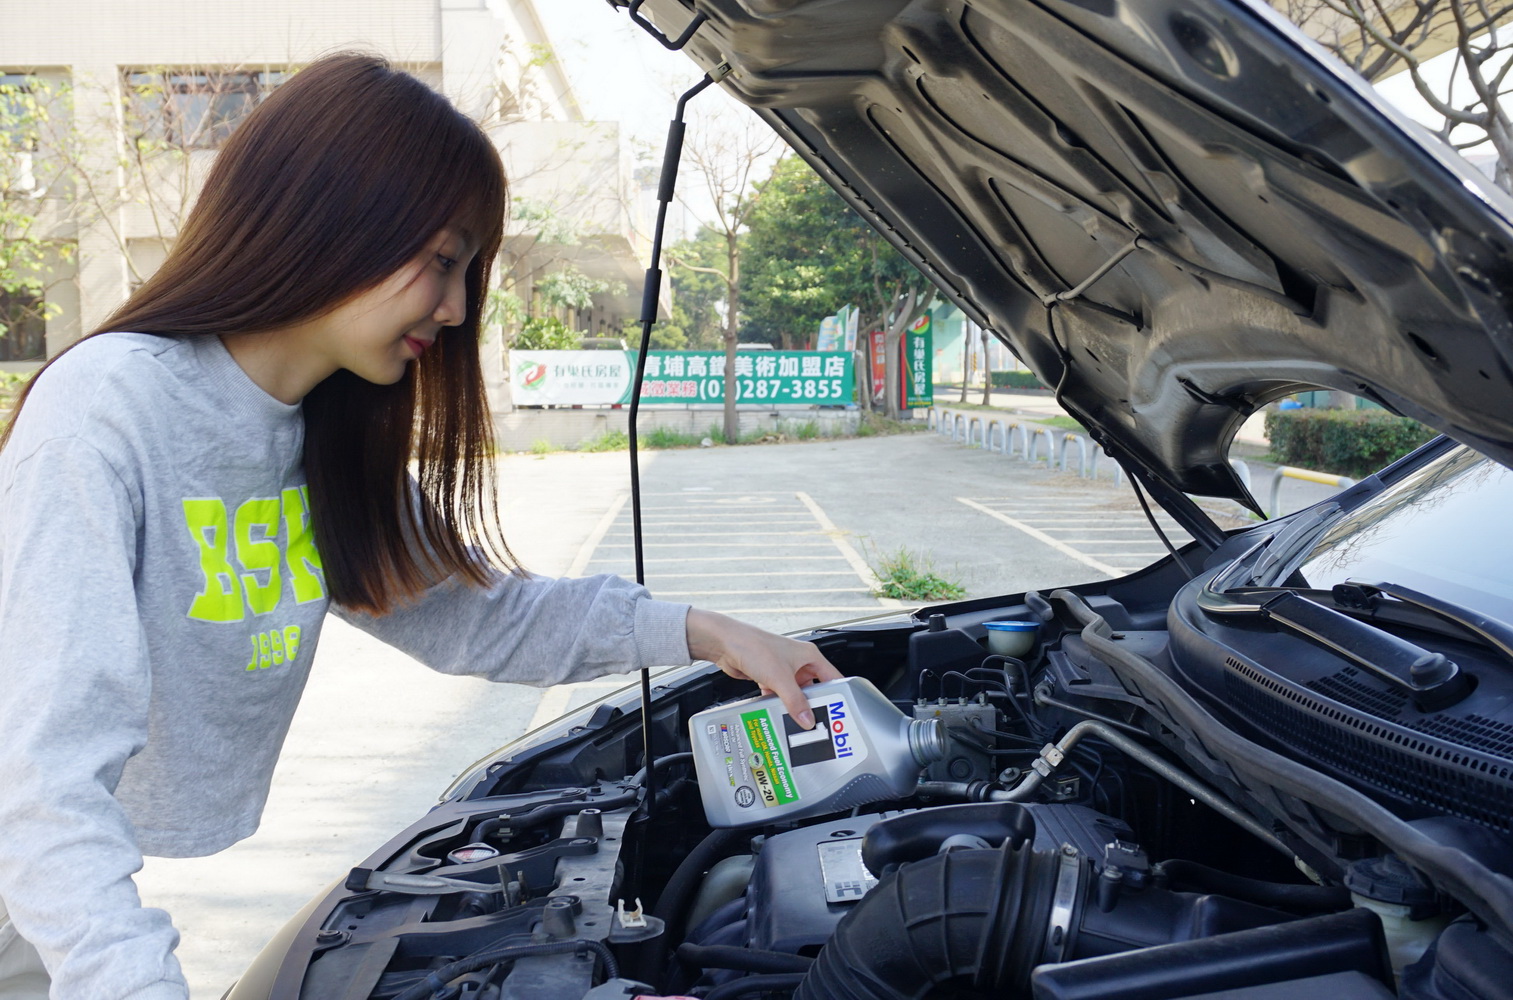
[301, 556]
[221, 598]
[257, 551]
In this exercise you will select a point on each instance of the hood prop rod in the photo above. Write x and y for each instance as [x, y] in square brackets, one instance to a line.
[650, 291]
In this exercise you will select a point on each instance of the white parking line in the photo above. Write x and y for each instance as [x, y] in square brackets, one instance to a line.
[765, 559]
[848, 551]
[746, 574]
[586, 550]
[784, 590]
[705, 545]
[860, 609]
[723, 534]
[1039, 535]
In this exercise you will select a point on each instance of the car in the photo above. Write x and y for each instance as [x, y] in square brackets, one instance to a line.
[1277, 763]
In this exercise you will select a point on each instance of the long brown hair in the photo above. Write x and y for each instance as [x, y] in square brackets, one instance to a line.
[331, 185]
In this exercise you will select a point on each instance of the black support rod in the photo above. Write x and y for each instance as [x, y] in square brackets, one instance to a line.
[650, 293]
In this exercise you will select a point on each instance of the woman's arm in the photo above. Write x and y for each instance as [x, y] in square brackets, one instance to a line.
[536, 630]
[74, 696]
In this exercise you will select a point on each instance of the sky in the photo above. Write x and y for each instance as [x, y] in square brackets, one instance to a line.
[618, 71]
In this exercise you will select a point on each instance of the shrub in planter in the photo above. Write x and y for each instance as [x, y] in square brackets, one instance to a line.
[1352, 443]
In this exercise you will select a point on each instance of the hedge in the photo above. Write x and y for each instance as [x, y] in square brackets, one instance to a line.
[1353, 443]
[1016, 380]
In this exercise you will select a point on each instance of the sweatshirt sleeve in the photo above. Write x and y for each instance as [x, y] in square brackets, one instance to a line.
[75, 706]
[535, 630]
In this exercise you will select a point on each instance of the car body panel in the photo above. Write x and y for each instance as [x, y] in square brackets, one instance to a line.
[1173, 211]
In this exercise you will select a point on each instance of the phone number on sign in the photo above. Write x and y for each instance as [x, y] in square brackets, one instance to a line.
[775, 388]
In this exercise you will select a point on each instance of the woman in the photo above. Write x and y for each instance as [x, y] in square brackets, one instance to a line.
[180, 503]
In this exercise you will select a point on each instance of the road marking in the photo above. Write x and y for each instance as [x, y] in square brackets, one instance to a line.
[766, 559]
[1039, 535]
[746, 574]
[806, 611]
[726, 534]
[705, 545]
[848, 551]
[784, 590]
[729, 493]
[586, 550]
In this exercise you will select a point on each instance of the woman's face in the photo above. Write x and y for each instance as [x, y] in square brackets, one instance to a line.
[378, 332]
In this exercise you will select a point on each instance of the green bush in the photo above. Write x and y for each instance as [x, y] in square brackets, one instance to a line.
[1016, 380]
[1352, 443]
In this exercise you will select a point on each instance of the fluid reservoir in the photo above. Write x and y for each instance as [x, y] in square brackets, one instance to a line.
[756, 766]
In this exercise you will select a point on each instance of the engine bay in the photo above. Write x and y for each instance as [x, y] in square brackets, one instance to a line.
[1105, 822]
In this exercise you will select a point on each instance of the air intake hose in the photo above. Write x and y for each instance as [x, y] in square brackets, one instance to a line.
[984, 919]
[974, 916]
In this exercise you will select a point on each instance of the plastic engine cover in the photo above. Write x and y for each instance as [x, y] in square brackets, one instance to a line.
[805, 880]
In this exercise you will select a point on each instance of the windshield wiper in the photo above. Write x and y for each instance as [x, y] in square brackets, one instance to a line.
[1432, 679]
[1358, 595]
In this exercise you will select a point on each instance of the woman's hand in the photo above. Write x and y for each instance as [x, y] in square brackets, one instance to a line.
[777, 664]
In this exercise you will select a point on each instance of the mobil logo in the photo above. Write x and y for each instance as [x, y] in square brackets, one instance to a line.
[840, 731]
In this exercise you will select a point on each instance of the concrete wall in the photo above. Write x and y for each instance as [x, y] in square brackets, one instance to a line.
[520, 430]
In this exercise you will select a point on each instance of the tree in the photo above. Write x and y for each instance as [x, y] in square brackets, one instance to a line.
[28, 105]
[725, 155]
[811, 254]
[800, 239]
[545, 318]
[1380, 37]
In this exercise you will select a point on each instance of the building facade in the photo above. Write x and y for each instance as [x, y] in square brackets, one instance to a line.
[137, 97]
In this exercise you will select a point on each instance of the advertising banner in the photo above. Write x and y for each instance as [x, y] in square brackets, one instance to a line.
[852, 322]
[571, 378]
[763, 378]
[830, 334]
[879, 359]
[919, 357]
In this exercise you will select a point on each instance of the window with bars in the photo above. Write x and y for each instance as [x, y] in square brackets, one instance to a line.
[193, 109]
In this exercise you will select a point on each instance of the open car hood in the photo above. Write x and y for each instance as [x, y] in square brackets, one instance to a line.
[1174, 211]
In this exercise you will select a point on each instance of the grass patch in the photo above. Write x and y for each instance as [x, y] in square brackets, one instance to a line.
[608, 441]
[541, 446]
[906, 576]
[875, 424]
[1064, 423]
[666, 437]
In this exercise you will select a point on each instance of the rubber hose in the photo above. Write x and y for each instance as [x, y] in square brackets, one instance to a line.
[1189, 875]
[744, 959]
[973, 917]
[754, 984]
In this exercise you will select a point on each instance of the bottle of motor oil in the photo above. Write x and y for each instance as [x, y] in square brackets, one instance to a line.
[755, 765]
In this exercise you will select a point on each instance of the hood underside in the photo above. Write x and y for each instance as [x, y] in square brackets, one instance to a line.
[1174, 211]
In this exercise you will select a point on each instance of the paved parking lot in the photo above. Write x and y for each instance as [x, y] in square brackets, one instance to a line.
[782, 535]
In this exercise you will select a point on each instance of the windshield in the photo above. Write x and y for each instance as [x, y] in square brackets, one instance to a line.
[1443, 530]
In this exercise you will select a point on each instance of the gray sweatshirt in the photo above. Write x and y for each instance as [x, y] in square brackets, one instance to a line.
[160, 600]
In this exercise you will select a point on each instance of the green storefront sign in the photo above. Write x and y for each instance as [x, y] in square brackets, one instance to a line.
[919, 364]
